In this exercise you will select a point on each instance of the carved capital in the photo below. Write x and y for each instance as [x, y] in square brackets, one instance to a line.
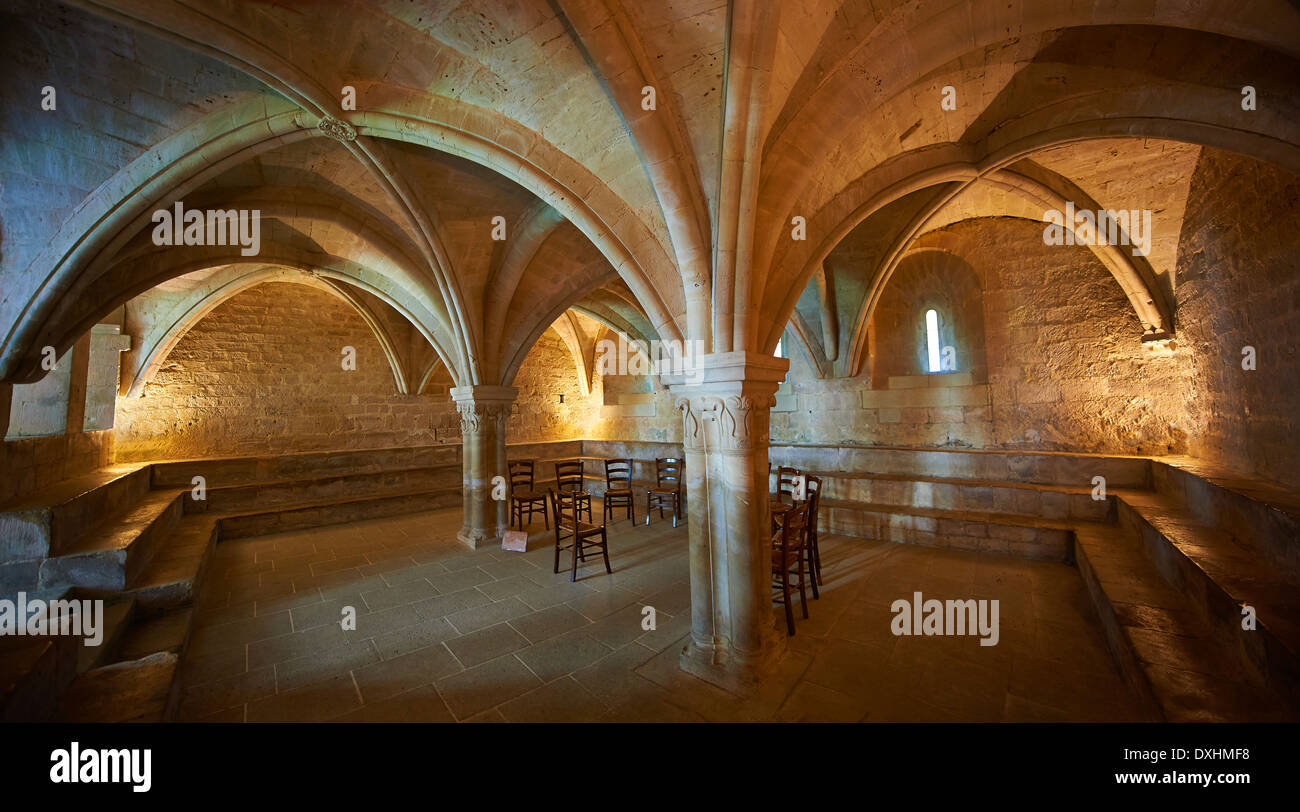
[475, 417]
[724, 422]
[691, 440]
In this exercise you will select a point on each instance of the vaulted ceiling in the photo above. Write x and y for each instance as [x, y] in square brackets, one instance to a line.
[670, 222]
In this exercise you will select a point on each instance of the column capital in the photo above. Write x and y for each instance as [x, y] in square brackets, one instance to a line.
[484, 394]
[724, 400]
[728, 373]
[483, 404]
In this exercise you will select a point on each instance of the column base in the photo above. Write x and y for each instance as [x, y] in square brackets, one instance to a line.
[479, 538]
[736, 672]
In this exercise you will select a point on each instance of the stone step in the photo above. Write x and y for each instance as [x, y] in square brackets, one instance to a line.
[229, 498]
[113, 554]
[1041, 467]
[1261, 515]
[35, 671]
[168, 632]
[128, 691]
[118, 616]
[1218, 575]
[976, 531]
[172, 577]
[275, 468]
[1166, 651]
[33, 674]
[316, 514]
[1059, 502]
[54, 521]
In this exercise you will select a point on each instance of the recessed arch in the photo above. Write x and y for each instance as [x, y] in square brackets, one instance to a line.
[951, 170]
[157, 343]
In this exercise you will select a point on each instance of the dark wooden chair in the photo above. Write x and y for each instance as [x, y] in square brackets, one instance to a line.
[785, 483]
[788, 559]
[667, 491]
[523, 499]
[575, 535]
[814, 552]
[618, 489]
[569, 480]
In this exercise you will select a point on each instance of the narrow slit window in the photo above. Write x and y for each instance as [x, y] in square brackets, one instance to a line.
[932, 338]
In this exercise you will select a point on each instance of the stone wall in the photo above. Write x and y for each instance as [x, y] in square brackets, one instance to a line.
[263, 373]
[33, 464]
[1238, 285]
[1066, 369]
[538, 415]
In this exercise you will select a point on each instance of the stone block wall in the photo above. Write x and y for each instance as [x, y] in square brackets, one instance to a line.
[538, 415]
[263, 373]
[1066, 367]
[34, 463]
[1238, 285]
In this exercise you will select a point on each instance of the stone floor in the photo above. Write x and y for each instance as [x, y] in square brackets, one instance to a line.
[448, 634]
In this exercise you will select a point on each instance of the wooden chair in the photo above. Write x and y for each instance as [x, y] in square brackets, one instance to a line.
[785, 483]
[569, 480]
[578, 534]
[618, 489]
[667, 491]
[814, 552]
[523, 499]
[788, 559]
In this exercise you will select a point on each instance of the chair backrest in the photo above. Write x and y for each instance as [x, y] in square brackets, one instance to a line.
[668, 471]
[814, 488]
[521, 475]
[618, 473]
[568, 475]
[792, 534]
[785, 482]
[564, 510]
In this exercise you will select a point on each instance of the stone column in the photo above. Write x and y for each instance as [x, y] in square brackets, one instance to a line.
[483, 413]
[725, 402]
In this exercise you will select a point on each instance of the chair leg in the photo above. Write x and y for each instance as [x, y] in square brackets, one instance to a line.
[577, 551]
[604, 550]
[809, 552]
[785, 594]
[557, 557]
[803, 590]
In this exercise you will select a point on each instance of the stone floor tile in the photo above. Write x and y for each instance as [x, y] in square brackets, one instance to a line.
[399, 674]
[486, 685]
[486, 644]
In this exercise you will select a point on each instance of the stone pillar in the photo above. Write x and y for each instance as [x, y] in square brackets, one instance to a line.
[76, 420]
[725, 402]
[483, 413]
